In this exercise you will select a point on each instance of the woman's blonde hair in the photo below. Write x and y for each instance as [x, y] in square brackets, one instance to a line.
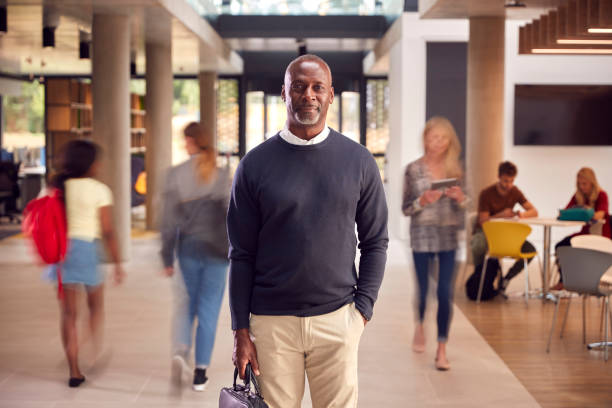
[452, 162]
[207, 159]
[582, 200]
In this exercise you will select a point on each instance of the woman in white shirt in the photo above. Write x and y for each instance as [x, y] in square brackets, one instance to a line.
[89, 218]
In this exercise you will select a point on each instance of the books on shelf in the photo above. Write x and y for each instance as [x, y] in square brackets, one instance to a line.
[69, 115]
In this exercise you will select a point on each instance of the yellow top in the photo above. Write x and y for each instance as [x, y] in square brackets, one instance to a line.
[84, 197]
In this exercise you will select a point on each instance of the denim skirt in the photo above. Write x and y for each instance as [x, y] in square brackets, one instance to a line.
[81, 264]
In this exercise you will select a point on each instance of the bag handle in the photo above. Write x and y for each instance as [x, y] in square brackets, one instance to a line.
[249, 378]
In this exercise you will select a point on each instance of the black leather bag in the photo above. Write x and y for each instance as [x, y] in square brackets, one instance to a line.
[242, 396]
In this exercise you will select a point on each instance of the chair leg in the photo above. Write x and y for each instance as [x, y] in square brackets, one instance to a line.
[610, 315]
[569, 302]
[539, 260]
[607, 303]
[584, 300]
[555, 274]
[482, 276]
[552, 328]
[602, 317]
[526, 280]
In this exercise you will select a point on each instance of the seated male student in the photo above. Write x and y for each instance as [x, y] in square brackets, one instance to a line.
[498, 201]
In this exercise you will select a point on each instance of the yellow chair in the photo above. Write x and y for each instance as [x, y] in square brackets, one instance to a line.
[505, 239]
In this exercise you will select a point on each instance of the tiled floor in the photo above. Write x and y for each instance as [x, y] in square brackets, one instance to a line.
[134, 371]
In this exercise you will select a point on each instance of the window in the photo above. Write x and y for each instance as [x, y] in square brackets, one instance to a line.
[377, 120]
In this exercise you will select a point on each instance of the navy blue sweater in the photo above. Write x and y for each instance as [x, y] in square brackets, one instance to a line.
[291, 226]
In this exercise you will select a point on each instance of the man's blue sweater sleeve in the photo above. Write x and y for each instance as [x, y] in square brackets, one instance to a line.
[243, 223]
[371, 219]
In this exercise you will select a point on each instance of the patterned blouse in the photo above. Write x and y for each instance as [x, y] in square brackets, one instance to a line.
[434, 227]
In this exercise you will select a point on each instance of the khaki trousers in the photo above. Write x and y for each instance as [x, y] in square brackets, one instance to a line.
[323, 347]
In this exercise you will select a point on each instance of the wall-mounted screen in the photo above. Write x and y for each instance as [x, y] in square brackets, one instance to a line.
[563, 115]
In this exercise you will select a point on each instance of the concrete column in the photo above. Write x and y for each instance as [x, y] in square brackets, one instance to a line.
[208, 101]
[158, 102]
[111, 114]
[485, 102]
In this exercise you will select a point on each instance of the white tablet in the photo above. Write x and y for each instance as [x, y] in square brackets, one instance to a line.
[444, 183]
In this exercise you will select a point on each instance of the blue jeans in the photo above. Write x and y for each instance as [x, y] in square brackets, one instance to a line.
[204, 279]
[445, 281]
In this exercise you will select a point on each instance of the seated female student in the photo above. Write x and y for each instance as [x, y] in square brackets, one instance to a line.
[588, 195]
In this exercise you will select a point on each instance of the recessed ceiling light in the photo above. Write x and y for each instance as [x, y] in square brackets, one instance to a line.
[585, 41]
[571, 51]
[514, 4]
[600, 30]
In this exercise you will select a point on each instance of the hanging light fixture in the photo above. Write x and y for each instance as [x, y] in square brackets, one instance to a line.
[84, 44]
[3, 17]
[133, 63]
[51, 19]
[514, 4]
[302, 50]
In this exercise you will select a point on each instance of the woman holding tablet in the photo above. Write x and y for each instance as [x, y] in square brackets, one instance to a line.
[435, 202]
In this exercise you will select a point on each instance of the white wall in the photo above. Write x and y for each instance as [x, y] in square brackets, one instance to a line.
[547, 174]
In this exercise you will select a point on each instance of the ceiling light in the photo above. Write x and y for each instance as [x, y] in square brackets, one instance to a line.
[50, 23]
[133, 63]
[585, 41]
[600, 30]
[48, 37]
[514, 4]
[84, 44]
[3, 20]
[302, 50]
[570, 51]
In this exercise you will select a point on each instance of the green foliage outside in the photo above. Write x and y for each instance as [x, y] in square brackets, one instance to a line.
[186, 96]
[25, 113]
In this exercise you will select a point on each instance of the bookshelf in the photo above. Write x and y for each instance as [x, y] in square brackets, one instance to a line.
[69, 116]
[137, 123]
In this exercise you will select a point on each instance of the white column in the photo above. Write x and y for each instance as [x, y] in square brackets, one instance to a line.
[407, 86]
[111, 114]
[485, 102]
[158, 103]
[208, 101]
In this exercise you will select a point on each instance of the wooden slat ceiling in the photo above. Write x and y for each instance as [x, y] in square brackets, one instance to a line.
[558, 26]
[481, 8]
[568, 29]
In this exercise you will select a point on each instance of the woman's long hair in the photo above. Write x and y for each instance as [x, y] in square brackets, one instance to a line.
[451, 162]
[207, 158]
[76, 159]
[587, 201]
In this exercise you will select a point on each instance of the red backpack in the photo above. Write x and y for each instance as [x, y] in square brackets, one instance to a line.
[45, 223]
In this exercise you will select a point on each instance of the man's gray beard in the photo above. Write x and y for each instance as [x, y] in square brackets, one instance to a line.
[308, 121]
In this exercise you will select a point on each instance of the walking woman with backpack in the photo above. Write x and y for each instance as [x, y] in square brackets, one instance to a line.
[89, 205]
[196, 197]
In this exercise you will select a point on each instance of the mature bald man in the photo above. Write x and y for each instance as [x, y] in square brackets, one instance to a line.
[298, 305]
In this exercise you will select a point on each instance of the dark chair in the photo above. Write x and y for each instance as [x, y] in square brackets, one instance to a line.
[9, 190]
[586, 272]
